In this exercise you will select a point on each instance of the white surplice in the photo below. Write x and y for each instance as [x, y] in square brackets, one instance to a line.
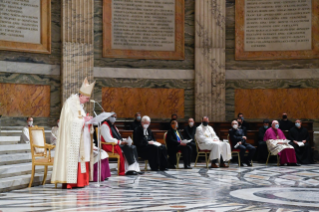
[207, 139]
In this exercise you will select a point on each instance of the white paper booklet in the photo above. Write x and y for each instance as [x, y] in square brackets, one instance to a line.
[156, 143]
[129, 141]
[300, 143]
[186, 141]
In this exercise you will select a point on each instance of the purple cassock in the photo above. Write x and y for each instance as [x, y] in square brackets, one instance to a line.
[105, 170]
[286, 152]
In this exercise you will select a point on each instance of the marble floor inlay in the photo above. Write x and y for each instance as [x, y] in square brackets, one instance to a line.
[259, 188]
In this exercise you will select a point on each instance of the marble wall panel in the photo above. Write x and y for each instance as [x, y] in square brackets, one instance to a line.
[271, 103]
[158, 103]
[24, 100]
[186, 85]
[54, 96]
[188, 63]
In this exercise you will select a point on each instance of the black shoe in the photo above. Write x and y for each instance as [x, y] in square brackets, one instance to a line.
[164, 169]
[172, 167]
[294, 164]
[241, 164]
[188, 167]
[249, 164]
[140, 173]
[131, 173]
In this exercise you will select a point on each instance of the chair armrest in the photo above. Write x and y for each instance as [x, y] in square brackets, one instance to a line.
[49, 146]
[110, 144]
[39, 146]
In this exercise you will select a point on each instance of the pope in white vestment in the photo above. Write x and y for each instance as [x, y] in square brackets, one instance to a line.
[73, 147]
[207, 139]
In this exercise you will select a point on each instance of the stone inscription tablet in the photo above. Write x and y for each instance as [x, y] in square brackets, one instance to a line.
[143, 29]
[276, 25]
[20, 21]
[143, 25]
[276, 29]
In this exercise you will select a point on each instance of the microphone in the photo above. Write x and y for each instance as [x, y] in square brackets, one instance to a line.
[95, 102]
[91, 100]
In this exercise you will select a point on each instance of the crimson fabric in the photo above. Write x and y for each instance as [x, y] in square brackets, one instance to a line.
[118, 150]
[287, 156]
[105, 170]
[83, 178]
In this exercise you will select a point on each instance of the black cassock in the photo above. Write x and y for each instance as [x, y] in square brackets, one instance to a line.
[156, 155]
[130, 152]
[303, 154]
[189, 133]
[262, 150]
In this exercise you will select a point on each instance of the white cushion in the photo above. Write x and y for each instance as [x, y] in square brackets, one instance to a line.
[38, 139]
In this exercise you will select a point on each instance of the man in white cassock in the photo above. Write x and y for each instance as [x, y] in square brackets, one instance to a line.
[25, 137]
[207, 139]
[73, 147]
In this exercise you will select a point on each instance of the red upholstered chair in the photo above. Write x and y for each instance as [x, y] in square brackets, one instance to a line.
[236, 151]
[202, 153]
[178, 154]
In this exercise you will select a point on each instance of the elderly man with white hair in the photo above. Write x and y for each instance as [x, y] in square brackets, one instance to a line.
[148, 148]
[278, 144]
[207, 139]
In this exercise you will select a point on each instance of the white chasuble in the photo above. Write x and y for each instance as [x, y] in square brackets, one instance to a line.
[207, 139]
[69, 140]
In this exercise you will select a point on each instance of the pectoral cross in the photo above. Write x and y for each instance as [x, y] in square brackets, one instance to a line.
[82, 158]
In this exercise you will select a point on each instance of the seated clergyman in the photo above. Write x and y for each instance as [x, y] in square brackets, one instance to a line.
[148, 148]
[189, 133]
[300, 141]
[110, 134]
[278, 144]
[25, 138]
[238, 141]
[207, 139]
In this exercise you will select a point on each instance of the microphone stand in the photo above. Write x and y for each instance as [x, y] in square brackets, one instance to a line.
[98, 136]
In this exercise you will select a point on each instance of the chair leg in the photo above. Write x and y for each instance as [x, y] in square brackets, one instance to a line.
[118, 166]
[146, 161]
[32, 175]
[56, 185]
[196, 159]
[45, 174]
[278, 160]
[206, 160]
[239, 162]
[267, 159]
[177, 160]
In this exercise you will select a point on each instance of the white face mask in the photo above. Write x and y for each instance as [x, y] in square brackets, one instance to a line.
[145, 126]
[191, 124]
[235, 126]
[30, 123]
[112, 120]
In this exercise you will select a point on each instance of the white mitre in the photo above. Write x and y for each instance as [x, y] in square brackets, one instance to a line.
[87, 88]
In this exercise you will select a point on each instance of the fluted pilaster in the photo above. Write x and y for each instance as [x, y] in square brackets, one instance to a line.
[77, 44]
[210, 59]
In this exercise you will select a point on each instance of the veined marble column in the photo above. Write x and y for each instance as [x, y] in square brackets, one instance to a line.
[77, 44]
[210, 59]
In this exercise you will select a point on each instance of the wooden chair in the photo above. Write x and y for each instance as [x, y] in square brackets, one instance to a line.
[39, 148]
[269, 154]
[202, 153]
[236, 152]
[178, 154]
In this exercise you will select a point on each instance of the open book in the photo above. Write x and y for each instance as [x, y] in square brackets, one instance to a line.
[156, 143]
[300, 143]
[129, 141]
[185, 141]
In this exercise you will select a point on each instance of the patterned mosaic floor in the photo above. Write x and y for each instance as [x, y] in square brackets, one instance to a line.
[259, 188]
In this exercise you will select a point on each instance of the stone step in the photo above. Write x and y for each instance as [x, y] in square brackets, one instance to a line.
[19, 169]
[15, 158]
[15, 148]
[22, 181]
[5, 140]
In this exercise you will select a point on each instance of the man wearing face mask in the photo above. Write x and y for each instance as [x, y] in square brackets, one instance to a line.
[147, 148]
[238, 140]
[262, 151]
[277, 144]
[25, 138]
[243, 122]
[299, 139]
[110, 134]
[175, 144]
[241, 126]
[284, 123]
[137, 121]
[54, 133]
[207, 139]
[189, 133]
